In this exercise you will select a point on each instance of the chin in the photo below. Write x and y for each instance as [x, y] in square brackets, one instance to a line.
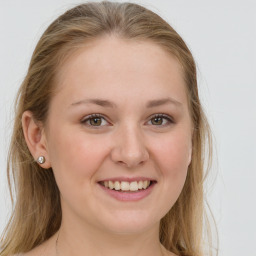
[131, 223]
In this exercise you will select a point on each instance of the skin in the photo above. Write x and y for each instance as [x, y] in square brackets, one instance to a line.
[127, 143]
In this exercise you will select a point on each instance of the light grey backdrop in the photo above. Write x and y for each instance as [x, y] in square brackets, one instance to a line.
[222, 37]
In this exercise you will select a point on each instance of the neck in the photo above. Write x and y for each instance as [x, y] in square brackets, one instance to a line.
[78, 241]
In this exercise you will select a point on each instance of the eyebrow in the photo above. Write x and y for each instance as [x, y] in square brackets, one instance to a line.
[109, 104]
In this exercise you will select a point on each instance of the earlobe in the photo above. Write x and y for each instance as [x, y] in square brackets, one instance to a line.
[35, 138]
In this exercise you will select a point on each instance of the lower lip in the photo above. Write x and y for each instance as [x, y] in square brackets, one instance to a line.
[128, 196]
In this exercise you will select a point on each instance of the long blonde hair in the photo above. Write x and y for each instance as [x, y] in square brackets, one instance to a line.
[36, 213]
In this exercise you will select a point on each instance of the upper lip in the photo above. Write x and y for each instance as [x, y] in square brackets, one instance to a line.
[129, 179]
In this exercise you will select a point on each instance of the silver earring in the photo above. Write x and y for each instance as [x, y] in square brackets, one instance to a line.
[41, 159]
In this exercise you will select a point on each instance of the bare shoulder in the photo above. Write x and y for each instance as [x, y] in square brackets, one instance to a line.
[45, 249]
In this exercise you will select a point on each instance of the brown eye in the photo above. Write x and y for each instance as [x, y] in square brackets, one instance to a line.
[157, 120]
[94, 120]
[161, 120]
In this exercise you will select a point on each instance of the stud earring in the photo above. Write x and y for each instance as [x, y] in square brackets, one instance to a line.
[41, 159]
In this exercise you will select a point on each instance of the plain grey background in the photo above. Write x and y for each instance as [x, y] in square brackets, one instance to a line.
[222, 37]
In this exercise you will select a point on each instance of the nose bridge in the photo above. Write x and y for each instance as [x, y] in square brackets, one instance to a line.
[130, 148]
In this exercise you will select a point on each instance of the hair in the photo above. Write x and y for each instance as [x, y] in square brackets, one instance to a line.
[36, 213]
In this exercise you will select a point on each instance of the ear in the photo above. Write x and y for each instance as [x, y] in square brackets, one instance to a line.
[35, 138]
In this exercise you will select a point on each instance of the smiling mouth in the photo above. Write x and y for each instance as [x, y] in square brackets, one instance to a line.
[125, 186]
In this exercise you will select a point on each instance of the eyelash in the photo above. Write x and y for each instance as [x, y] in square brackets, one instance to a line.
[164, 116]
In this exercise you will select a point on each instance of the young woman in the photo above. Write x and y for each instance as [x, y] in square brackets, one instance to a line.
[108, 143]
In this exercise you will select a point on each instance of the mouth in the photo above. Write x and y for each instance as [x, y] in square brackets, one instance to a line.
[126, 186]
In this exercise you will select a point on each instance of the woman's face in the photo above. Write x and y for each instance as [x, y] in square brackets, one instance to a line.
[118, 135]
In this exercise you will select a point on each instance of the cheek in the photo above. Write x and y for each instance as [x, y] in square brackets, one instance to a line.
[174, 157]
[75, 157]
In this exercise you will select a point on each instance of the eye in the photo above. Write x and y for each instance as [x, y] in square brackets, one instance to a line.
[161, 120]
[97, 120]
[94, 120]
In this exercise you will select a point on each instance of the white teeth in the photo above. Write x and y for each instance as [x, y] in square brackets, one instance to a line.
[145, 184]
[127, 186]
[117, 185]
[134, 186]
[111, 184]
[140, 184]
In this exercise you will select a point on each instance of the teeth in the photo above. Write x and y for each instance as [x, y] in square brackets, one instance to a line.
[140, 184]
[145, 184]
[110, 185]
[134, 186]
[127, 186]
[117, 185]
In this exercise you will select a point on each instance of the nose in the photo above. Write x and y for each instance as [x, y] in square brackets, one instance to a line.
[129, 147]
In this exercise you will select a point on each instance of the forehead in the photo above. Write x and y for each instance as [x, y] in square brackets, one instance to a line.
[110, 65]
